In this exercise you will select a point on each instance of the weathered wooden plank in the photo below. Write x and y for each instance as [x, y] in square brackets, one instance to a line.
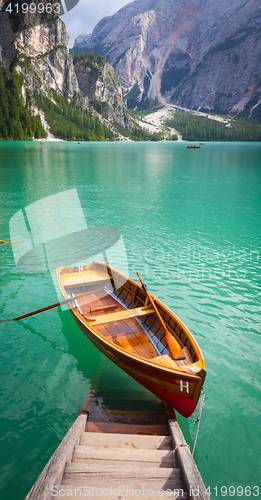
[97, 475]
[151, 483]
[133, 471]
[53, 471]
[155, 430]
[160, 458]
[191, 476]
[119, 316]
[132, 441]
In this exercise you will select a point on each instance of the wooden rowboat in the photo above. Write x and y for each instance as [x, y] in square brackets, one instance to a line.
[114, 312]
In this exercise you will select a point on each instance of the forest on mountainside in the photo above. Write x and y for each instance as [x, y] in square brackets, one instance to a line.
[16, 120]
[200, 128]
[69, 121]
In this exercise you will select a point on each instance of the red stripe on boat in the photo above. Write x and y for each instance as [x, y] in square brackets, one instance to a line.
[184, 406]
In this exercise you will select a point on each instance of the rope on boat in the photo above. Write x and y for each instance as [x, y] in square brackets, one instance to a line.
[199, 417]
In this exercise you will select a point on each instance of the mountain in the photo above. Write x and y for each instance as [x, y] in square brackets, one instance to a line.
[100, 86]
[199, 54]
[81, 41]
[40, 54]
[37, 73]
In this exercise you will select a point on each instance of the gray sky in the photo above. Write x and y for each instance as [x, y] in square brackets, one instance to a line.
[87, 13]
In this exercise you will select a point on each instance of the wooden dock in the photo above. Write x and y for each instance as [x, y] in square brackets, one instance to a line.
[121, 454]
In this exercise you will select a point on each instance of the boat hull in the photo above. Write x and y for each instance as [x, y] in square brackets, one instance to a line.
[181, 391]
[125, 343]
[184, 406]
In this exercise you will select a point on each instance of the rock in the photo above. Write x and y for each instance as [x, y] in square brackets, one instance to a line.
[41, 55]
[197, 54]
[98, 80]
[81, 41]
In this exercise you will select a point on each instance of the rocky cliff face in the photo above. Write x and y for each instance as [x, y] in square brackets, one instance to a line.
[81, 41]
[41, 55]
[196, 53]
[97, 79]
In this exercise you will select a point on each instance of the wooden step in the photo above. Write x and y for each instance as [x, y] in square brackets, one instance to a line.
[97, 475]
[154, 430]
[91, 470]
[124, 458]
[136, 491]
[101, 414]
[132, 441]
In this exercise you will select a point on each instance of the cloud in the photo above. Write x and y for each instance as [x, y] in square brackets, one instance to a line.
[82, 19]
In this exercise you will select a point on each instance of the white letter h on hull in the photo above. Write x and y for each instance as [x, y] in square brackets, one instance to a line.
[184, 385]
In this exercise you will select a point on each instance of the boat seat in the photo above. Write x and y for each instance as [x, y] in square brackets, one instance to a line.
[88, 286]
[119, 316]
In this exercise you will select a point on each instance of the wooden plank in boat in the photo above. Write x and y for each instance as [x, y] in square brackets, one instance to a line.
[108, 299]
[137, 346]
[110, 427]
[103, 309]
[125, 328]
[91, 276]
[188, 357]
[133, 325]
[92, 285]
[119, 316]
[67, 280]
[99, 299]
[113, 329]
[143, 338]
[123, 342]
[164, 360]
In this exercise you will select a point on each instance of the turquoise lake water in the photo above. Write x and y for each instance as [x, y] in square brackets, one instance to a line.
[191, 225]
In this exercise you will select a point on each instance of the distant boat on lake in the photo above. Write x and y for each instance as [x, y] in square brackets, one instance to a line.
[193, 147]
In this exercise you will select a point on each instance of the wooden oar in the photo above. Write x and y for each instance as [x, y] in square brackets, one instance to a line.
[174, 346]
[3, 241]
[37, 311]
